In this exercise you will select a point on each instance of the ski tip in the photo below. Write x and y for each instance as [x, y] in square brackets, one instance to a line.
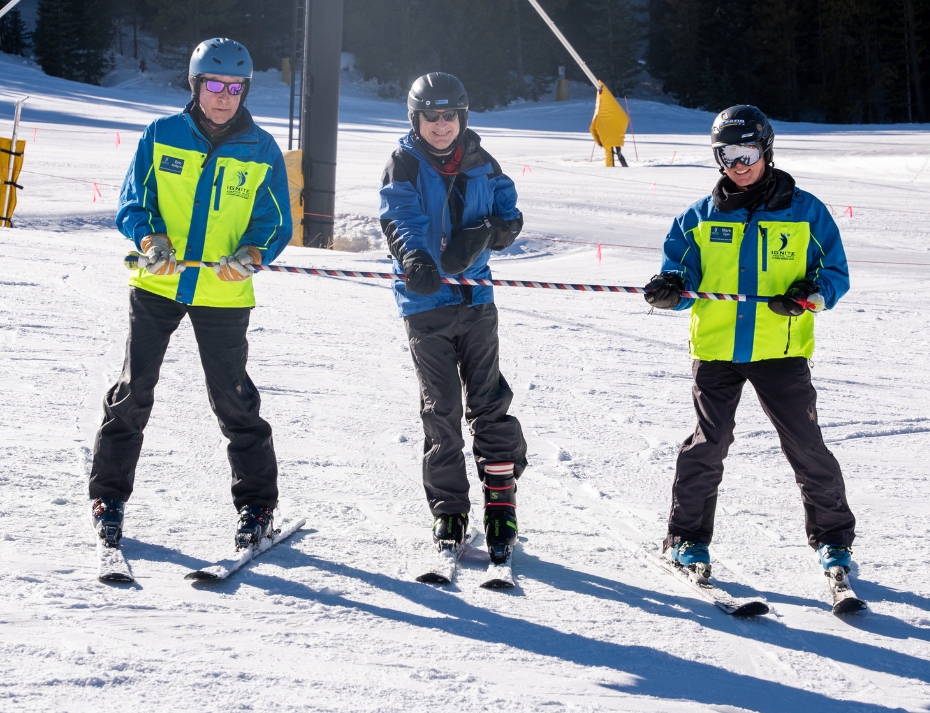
[849, 606]
[433, 578]
[750, 609]
[201, 576]
[117, 577]
[497, 584]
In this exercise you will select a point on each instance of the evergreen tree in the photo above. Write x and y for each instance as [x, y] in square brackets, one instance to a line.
[72, 38]
[13, 35]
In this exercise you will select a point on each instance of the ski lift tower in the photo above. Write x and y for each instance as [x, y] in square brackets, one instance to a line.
[608, 127]
[318, 111]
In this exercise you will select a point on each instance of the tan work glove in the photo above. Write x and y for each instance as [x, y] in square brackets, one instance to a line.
[159, 254]
[238, 266]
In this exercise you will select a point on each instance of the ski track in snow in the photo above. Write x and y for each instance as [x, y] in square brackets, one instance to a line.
[332, 619]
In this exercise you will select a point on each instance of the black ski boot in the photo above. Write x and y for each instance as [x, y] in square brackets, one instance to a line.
[255, 523]
[107, 515]
[449, 531]
[500, 510]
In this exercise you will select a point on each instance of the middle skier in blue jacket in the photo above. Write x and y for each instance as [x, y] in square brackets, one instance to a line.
[445, 204]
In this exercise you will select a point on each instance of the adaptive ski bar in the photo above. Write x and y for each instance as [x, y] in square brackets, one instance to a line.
[132, 262]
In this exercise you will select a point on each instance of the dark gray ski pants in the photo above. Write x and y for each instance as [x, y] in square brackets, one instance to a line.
[221, 340]
[789, 400]
[451, 347]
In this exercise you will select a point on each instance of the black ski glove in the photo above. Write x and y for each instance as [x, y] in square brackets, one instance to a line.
[421, 272]
[664, 291]
[787, 305]
[465, 247]
[504, 232]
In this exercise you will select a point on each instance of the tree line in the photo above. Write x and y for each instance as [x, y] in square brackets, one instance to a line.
[844, 61]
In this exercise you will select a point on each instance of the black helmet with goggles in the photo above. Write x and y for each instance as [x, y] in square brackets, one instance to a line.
[742, 134]
[436, 95]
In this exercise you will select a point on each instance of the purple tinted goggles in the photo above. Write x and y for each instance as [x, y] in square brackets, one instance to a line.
[215, 86]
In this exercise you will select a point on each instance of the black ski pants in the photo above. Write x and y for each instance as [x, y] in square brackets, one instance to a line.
[452, 347]
[221, 340]
[789, 400]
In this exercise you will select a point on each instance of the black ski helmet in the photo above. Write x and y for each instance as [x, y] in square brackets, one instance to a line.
[743, 124]
[437, 91]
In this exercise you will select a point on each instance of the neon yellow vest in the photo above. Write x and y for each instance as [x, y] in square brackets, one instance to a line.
[235, 186]
[781, 258]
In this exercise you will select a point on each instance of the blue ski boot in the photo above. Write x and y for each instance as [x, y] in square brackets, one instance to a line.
[835, 556]
[107, 515]
[691, 555]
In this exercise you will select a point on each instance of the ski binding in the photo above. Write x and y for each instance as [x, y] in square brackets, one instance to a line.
[845, 600]
[222, 569]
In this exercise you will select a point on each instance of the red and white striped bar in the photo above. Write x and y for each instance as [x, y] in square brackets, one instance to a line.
[532, 284]
[132, 261]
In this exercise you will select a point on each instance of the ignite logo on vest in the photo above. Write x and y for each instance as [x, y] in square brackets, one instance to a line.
[239, 190]
[782, 252]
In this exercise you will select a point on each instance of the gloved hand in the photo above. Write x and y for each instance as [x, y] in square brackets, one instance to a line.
[421, 272]
[504, 232]
[801, 296]
[238, 266]
[465, 247]
[664, 291]
[159, 256]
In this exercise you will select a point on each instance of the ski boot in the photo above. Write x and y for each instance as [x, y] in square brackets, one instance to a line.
[107, 516]
[500, 510]
[449, 531]
[835, 560]
[835, 556]
[691, 555]
[255, 523]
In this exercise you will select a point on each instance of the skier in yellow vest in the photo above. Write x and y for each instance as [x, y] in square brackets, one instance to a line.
[758, 234]
[205, 185]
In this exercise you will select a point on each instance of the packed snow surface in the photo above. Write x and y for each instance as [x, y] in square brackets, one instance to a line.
[332, 619]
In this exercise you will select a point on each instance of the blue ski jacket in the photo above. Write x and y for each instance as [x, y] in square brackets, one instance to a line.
[415, 214]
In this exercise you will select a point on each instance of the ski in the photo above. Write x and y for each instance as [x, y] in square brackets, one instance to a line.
[499, 576]
[845, 600]
[445, 562]
[222, 569]
[699, 581]
[111, 564]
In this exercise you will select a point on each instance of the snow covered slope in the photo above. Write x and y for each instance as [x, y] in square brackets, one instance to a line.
[332, 619]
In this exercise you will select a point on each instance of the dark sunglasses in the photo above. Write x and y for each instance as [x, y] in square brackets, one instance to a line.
[215, 86]
[433, 116]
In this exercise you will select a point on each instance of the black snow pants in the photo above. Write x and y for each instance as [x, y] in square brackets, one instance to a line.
[789, 400]
[451, 347]
[221, 340]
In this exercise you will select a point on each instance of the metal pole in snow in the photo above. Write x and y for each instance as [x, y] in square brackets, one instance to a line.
[8, 179]
[9, 6]
[565, 43]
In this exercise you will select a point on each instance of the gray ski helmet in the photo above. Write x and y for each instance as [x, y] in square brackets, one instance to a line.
[743, 124]
[221, 56]
[437, 91]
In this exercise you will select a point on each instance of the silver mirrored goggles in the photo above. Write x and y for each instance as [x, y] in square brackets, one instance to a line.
[746, 154]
